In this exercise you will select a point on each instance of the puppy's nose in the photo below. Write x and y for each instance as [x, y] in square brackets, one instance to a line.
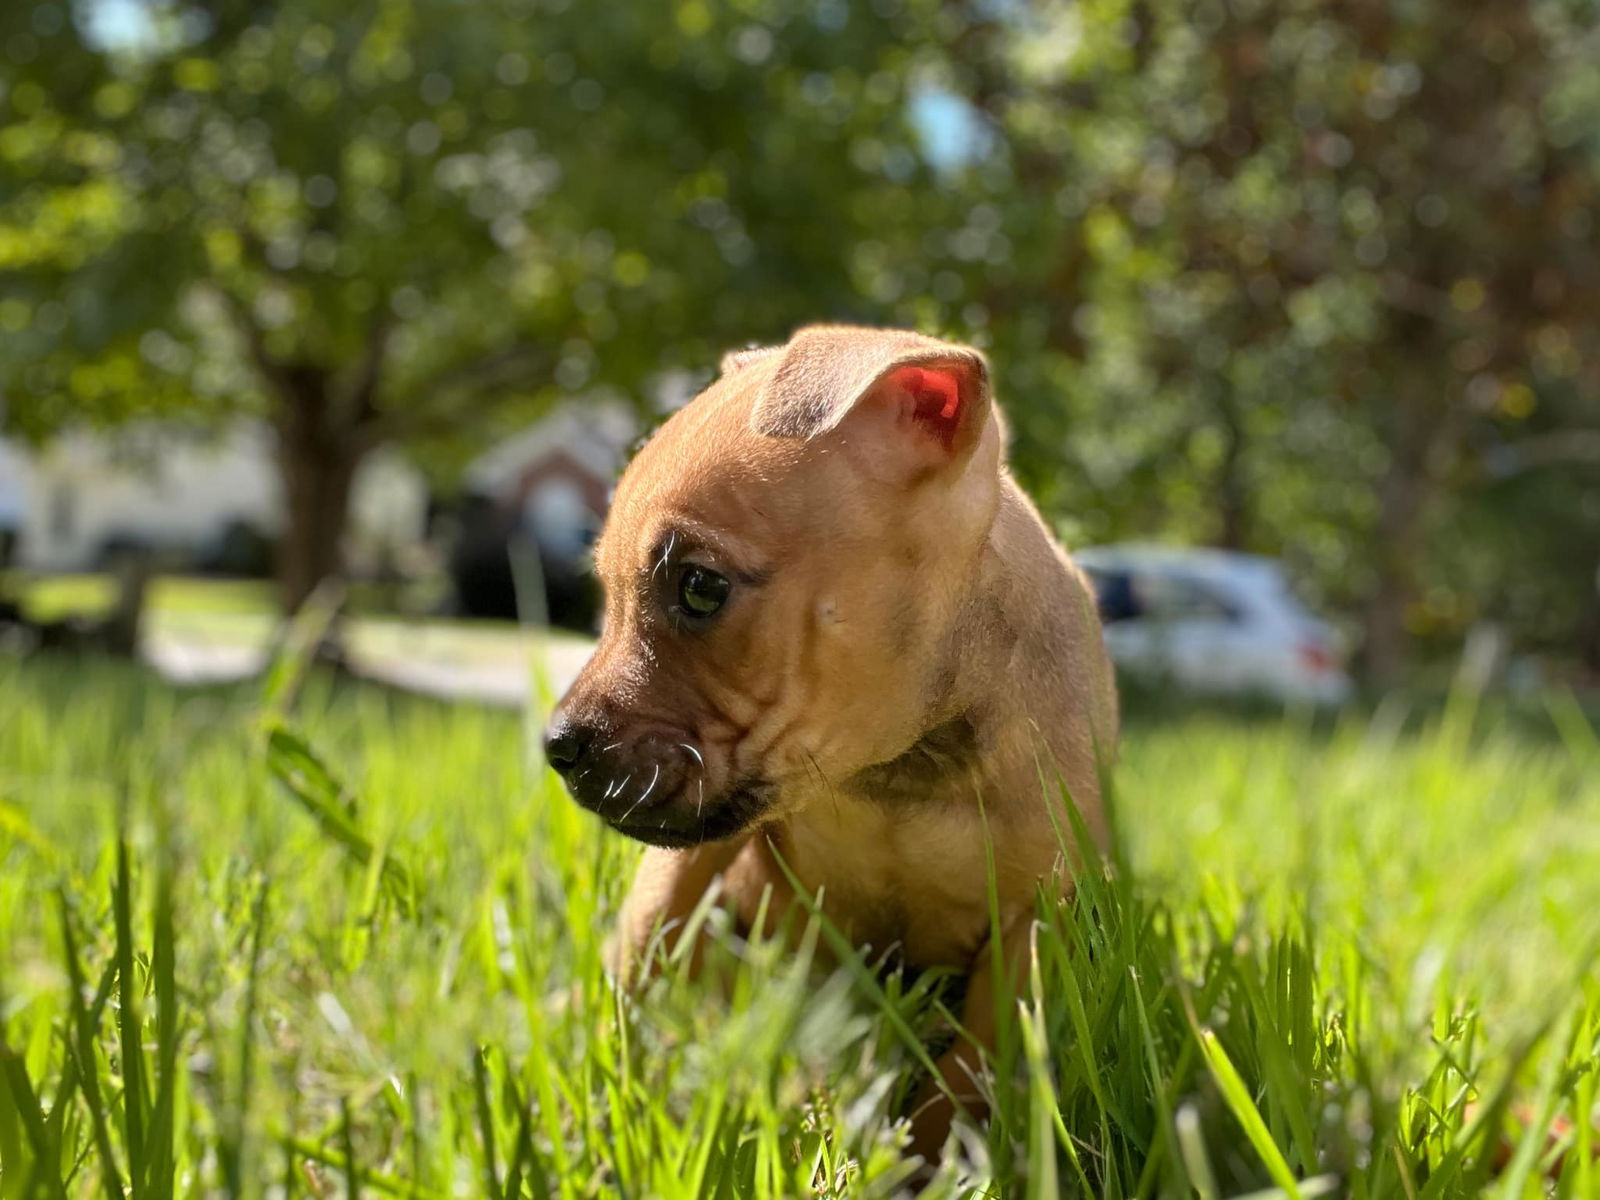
[565, 743]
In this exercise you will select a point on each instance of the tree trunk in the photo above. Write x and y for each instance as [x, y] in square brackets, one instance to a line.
[317, 460]
[1589, 626]
[121, 629]
[1232, 497]
[1403, 497]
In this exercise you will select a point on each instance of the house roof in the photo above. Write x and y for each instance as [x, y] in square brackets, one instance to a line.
[596, 435]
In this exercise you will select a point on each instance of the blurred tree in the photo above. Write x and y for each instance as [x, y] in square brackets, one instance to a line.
[1302, 277]
[373, 223]
[1317, 278]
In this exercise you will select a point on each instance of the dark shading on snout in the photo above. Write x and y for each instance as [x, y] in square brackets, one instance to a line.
[648, 783]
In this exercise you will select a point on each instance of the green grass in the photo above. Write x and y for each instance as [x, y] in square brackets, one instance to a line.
[176, 599]
[242, 613]
[354, 946]
[49, 598]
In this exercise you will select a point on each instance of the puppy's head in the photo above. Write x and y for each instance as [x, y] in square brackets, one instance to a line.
[784, 565]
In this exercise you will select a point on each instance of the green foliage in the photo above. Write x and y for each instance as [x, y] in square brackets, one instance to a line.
[236, 957]
[1313, 279]
[420, 220]
[494, 197]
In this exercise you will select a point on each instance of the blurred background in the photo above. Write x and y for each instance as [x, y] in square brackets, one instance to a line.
[1294, 306]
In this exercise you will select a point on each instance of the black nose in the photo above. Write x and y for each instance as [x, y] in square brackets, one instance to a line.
[565, 744]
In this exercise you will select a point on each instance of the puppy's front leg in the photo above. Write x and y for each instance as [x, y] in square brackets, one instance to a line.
[961, 1066]
[666, 888]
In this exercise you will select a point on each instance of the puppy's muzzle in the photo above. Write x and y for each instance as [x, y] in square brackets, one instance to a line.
[617, 776]
[650, 785]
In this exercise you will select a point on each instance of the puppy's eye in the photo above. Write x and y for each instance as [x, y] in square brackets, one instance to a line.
[701, 591]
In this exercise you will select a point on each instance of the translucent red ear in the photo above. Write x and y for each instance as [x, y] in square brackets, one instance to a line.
[936, 399]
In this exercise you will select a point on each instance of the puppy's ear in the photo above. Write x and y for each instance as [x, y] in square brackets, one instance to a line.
[911, 402]
[738, 360]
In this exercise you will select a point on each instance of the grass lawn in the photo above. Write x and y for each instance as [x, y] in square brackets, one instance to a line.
[241, 614]
[50, 597]
[354, 946]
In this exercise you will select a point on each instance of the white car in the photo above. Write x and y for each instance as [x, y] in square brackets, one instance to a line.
[1213, 621]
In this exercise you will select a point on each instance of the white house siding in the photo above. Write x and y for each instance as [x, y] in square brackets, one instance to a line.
[179, 490]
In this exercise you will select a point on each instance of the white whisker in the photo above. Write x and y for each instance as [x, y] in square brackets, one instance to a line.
[652, 784]
[666, 553]
[623, 820]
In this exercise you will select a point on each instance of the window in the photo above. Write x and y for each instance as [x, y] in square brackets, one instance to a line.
[1165, 597]
[1115, 595]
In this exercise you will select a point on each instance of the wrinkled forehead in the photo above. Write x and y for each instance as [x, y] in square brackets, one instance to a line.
[705, 481]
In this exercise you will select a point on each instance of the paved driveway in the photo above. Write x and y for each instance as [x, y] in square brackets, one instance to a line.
[489, 664]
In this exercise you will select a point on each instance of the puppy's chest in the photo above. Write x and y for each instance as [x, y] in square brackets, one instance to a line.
[919, 881]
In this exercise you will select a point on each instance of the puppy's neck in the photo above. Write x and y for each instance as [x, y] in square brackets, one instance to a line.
[947, 753]
[996, 621]
[1011, 655]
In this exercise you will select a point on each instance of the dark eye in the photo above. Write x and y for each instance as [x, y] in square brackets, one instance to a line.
[701, 591]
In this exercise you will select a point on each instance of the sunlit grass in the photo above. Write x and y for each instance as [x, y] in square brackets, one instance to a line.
[52, 597]
[364, 941]
[242, 613]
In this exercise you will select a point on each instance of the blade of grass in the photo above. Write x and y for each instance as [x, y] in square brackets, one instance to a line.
[1044, 1104]
[1163, 1146]
[231, 1150]
[347, 1143]
[298, 644]
[21, 1114]
[1192, 1147]
[300, 772]
[1277, 1062]
[847, 955]
[130, 1031]
[480, 1087]
[161, 1167]
[1245, 1112]
[82, 1043]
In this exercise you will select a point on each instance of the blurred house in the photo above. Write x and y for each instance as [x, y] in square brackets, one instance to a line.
[13, 501]
[532, 508]
[209, 503]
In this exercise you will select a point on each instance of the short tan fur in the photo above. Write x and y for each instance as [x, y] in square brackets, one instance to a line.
[902, 655]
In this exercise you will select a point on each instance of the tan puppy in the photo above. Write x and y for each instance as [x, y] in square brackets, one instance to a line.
[833, 625]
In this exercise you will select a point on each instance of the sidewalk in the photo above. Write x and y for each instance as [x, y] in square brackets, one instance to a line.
[497, 665]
